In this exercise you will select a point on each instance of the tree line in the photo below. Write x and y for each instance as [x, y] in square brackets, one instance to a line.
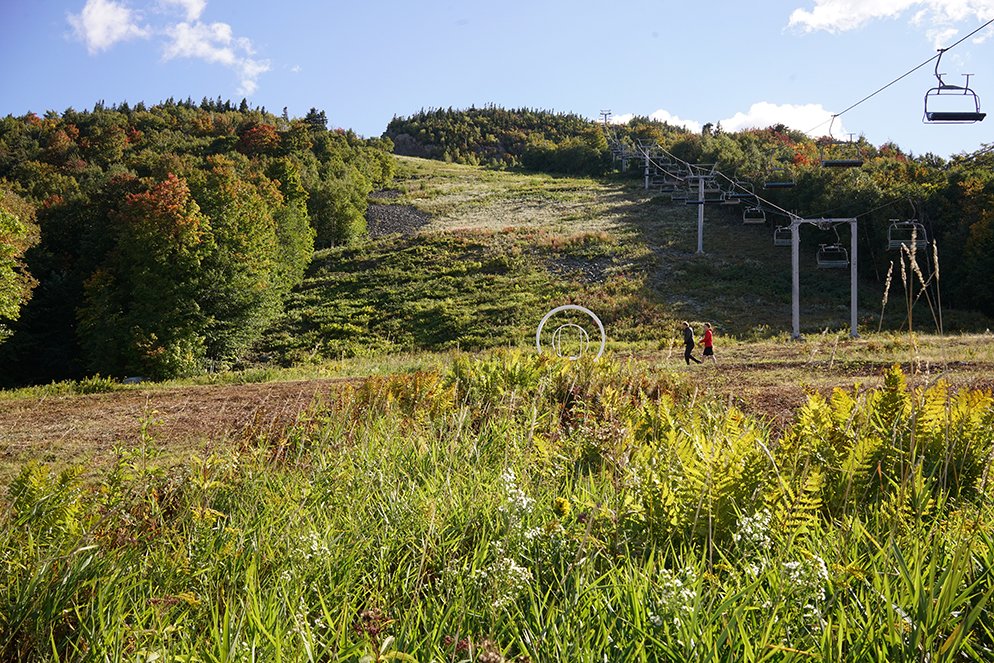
[496, 137]
[160, 241]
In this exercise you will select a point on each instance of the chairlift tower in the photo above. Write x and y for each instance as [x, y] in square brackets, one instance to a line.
[648, 159]
[700, 215]
[795, 261]
[701, 173]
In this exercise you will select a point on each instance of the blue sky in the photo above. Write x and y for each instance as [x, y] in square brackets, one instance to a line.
[729, 61]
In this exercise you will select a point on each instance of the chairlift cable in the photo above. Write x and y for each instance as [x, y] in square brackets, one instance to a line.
[759, 198]
[835, 209]
[967, 158]
[649, 158]
[904, 75]
[877, 208]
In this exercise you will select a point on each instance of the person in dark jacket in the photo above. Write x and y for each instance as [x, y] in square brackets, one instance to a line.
[688, 343]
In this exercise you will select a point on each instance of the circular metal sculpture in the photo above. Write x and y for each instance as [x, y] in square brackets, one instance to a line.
[570, 329]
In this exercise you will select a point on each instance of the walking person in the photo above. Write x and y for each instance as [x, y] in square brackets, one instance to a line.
[708, 343]
[688, 344]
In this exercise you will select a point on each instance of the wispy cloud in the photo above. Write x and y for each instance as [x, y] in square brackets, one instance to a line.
[940, 16]
[216, 43]
[193, 8]
[103, 23]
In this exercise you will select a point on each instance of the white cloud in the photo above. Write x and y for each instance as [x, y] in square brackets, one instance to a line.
[842, 15]
[811, 118]
[193, 8]
[215, 42]
[939, 15]
[940, 36]
[103, 23]
[660, 116]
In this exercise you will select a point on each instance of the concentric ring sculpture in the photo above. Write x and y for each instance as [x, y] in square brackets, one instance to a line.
[570, 328]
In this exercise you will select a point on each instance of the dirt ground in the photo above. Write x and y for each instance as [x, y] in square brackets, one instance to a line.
[84, 430]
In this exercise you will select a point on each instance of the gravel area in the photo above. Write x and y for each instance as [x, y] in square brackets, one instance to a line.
[390, 219]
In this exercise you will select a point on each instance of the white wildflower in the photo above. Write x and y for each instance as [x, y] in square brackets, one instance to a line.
[754, 530]
[504, 578]
[675, 597]
[314, 546]
[516, 503]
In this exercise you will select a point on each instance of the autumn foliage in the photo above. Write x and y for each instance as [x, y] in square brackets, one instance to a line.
[167, 237]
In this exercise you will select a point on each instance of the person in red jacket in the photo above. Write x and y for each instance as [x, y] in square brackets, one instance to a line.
[708, 343]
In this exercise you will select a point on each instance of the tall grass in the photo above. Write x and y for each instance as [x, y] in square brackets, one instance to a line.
[515, 508]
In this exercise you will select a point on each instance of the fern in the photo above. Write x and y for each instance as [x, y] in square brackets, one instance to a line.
[861, 472]
[890, 405]
[796, 510]
[47, 503]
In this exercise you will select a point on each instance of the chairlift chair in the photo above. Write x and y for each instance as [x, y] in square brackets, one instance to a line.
[906, 233]
[845, 156]
[778, 178]
[968, 111]
[741, 190]
[753, 215]
[783, 236]
[738, 192]
[841, 163]
[712, 191]
[832, 256]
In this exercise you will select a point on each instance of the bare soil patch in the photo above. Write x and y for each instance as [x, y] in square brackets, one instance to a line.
[84, 430]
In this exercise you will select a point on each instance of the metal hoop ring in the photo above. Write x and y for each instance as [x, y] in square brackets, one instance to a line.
[571, 307]
[558, 344]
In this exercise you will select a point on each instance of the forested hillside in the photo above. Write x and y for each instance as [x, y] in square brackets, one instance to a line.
[492, 136]
[166, 240]
[161, 240]
[953, 199]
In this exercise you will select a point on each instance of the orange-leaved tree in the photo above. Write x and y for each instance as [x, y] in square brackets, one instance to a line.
[141, 314]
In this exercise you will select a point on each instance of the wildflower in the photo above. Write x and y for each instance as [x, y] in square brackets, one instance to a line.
[754, 531]
[505, 579]
[561, 507]
[371, 622]
[803, 585]
[517, 505]
[314, 546]
[675, 598]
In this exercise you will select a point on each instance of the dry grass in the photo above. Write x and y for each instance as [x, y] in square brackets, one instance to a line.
[462, 197]
[770, 378]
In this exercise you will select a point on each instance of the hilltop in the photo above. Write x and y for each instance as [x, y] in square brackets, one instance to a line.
[483, 254]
